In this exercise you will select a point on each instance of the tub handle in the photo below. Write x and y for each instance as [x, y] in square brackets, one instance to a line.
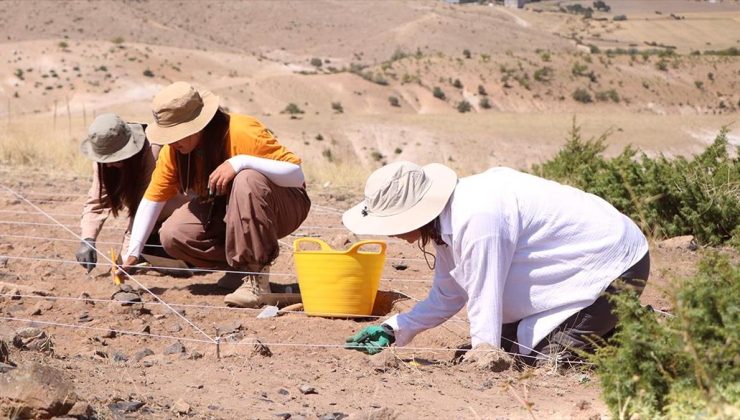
[297, 244]
[354, 249]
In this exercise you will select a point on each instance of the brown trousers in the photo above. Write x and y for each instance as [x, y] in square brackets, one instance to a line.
[243, 232]
[579, 332]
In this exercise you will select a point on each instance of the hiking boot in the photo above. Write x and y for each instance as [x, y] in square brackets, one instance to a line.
[255, 292]
[230, 281]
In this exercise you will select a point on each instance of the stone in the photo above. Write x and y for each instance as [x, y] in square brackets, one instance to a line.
[4, 368]
[333, 416]
[381, 413]
[307, 389]
[84, 317]
[399, 266]
[121, 407]
[175, 328]
[142, 354]
[680, 242]
[3, 262]
[126, 299]
[230, 328]
[35, 391]
[283, 391]
[384, 361]
[175, 348]
[126, 288]
[284, 416]
[81, 410]
[119, 357]
[488, 358]
[33, 339]
[4, 351]
[180, 407]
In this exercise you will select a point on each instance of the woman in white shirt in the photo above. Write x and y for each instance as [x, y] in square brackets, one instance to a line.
[532, 259]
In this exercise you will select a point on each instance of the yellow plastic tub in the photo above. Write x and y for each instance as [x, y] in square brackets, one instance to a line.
[338, 283]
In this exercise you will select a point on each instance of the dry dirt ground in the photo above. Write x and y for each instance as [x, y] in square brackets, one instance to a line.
[62, 63]
[420, 382]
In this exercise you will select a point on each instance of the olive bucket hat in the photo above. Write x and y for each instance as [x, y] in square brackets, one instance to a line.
[110, 139]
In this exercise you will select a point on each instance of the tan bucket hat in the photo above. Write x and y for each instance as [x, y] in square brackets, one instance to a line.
[110, 139]
[401, 197]
[180, 110]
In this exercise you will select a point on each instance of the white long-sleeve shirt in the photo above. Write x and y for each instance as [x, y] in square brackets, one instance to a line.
[521, 248]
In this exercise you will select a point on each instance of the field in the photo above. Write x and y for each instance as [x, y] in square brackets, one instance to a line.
[62, 65]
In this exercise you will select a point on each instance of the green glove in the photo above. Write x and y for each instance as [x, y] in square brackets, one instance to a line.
[372, 339]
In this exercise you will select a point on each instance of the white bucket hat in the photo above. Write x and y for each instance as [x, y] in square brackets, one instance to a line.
[110, 139]
[180, 110]
[401, 197]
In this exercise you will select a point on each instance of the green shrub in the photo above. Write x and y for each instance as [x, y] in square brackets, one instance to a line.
[117, 40]
[600, 5]
[326, 153]
[482, 90]
[466, 53]
[438, 93]
[292, 109]
[376, 155]
[148, 73]
[607, 95]
[319, 137]
[398, 151]
[619, 18]
[457, 83]
[699, 196]
[662, 65]
[732, 52]
[485, 103]
[581, 95]
[398, 54]
[394, 101]
[316, 62]
[464, 106]
[63, 45]
[337, 107]
[699, 84]
[683, 366]
[543, 74]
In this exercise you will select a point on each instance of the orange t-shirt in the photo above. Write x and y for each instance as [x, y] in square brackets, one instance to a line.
[247, 136]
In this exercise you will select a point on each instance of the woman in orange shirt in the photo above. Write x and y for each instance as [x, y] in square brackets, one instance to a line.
[250, 189]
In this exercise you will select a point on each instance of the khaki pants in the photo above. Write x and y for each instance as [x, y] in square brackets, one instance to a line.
[244, 232]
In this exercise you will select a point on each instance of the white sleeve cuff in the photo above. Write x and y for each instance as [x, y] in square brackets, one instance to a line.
[146, 217]
[284, 174]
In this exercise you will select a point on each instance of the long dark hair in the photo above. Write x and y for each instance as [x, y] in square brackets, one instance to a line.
[430, 232]
[123, 186]
[195, 176]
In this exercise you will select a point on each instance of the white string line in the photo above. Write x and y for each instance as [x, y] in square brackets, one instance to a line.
[46, 238]
[52, 193]
[273, 344]
[206, 270]
[179, 305]
[111, 262]
[84, 327]
[11, 222]
[30, 212]
[15, 222]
